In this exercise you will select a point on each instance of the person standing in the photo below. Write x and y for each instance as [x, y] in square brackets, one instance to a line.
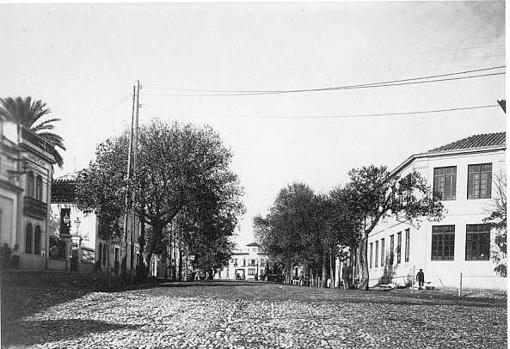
[421, 278]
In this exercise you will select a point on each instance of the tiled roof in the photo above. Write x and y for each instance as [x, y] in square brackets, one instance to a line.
[476, 141]
[63, 190]
[252, 244]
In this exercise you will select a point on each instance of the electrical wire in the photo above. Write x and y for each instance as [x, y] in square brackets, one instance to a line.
[317, 117]
[400, 82]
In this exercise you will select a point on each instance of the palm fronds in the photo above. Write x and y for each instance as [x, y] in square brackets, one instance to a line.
[30, 114]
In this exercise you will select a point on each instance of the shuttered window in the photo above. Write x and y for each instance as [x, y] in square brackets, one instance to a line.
[443, 242]
[382, 253]
[445, 182]
[377, 253]
[478, 240]
[479, 181]
[406, 258]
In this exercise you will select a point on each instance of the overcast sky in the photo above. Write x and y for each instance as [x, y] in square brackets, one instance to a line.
[82, 60]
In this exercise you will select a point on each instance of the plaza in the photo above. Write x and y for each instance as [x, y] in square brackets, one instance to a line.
[243, 314]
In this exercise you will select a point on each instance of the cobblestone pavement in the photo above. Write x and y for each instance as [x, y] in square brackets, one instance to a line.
[257, 315]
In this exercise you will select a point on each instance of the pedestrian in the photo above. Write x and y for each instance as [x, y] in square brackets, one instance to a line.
[421, 278]
[345, 276]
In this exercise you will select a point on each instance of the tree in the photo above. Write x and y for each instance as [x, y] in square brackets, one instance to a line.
[181, 171]
[185, 169]
[290, 232]
[343, 224]
[497, 221]
[102, 186]
[375, 193]
[31, 114]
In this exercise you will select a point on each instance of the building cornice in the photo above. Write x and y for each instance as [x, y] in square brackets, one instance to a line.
[37, 152]
[413, 157]
[8, 185]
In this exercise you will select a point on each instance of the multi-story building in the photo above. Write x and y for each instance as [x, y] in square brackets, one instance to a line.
[465, 173]
[26, 170]
[247, 263]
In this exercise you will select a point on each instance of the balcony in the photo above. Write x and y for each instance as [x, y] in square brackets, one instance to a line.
[34, 139]
[34, 208]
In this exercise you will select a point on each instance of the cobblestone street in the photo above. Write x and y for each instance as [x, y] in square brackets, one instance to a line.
[255, 315]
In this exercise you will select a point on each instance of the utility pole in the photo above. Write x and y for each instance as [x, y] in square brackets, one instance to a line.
[128, 178]
[135, 156]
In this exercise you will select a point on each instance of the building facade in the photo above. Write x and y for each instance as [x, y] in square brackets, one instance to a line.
[26, 171]
[465, 173]
[110, 251]
[74, 236]
[247, 263]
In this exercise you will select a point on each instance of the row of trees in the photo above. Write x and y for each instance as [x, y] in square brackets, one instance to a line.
[305, 228]
[182, 181]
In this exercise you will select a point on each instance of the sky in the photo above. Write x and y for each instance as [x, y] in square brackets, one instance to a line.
[82, 60]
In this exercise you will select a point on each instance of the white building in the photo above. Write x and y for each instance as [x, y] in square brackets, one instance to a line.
[76, 228]
[464, 172]
[26, 170]
[246, 263]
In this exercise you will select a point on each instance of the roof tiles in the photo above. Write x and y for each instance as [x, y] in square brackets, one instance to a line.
[476, 141]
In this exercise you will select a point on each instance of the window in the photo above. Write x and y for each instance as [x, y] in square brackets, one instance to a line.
[371, 254]
[244, 262]
[251, 271]
[382, 253]
[30, 184]
[479, 181]
[408, 233]
[399, 247]
[28, 238]
[392, 248]
[252, 262]
[376, 253]
[478, 241]
[38, 188]
[443, 242]
[65, 221]
[445, 182]
[235, 262]
[37, 240]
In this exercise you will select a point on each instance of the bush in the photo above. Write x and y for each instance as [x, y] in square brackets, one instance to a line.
[141, 273]
[6, 261]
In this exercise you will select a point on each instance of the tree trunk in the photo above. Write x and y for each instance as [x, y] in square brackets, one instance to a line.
[108, 244]
[180, 260]
[288, 272]
[324, 281]
[363, 261]
[331, 268]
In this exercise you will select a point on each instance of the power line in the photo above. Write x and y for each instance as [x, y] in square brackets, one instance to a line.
[435, 111]
[399, 82]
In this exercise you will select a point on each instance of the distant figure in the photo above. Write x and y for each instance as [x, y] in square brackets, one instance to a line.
[421, 278]
[345, 276]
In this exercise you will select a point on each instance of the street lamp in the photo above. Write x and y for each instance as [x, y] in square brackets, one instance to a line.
[67, 220]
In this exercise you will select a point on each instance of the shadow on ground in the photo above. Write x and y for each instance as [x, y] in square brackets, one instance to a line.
[33, 332]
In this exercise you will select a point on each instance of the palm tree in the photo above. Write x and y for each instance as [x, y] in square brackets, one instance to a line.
[30, 114]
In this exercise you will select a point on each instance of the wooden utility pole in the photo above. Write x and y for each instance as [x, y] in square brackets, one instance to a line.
[135, 156]
[128, 178]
